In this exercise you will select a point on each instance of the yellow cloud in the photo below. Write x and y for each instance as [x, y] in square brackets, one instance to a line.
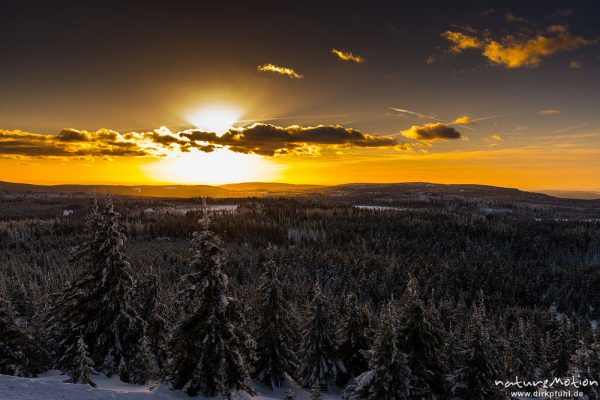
[347, 56]
[462, 41]
[515, 52]
[285, 71]
[497, 138]
[464, 120]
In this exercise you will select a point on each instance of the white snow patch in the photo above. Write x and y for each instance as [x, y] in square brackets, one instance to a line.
[51, 386]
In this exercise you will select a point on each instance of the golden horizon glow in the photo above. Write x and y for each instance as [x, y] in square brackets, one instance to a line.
[218, 167]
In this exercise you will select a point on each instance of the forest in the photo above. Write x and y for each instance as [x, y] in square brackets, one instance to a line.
[415, 299]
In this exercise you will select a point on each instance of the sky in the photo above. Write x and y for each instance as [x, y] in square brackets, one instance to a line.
[189, 92]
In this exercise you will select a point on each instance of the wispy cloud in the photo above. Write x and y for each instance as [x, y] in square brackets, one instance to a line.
[460, 41]
[514, 19]
[348, 56]
[285, 71]
[570, 128]
[549, 112]
[493, 117]
[431, 117]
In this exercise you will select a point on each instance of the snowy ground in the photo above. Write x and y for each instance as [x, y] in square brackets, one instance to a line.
[50, 386]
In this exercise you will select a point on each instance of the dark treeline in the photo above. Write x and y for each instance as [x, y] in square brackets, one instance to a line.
[418, 303]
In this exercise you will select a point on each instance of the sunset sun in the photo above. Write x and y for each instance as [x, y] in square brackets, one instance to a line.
[215, 118]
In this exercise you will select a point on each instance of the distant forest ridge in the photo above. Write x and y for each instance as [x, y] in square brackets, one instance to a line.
[262, 189]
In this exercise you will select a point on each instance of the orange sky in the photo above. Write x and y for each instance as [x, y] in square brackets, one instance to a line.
[505, 95]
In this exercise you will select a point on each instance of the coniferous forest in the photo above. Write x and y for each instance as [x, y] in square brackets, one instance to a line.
[426, 300]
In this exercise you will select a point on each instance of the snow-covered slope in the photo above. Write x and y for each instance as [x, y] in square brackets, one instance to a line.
[50, 386]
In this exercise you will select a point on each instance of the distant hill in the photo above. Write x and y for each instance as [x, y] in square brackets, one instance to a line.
[572, 194]
[179, 191]
[373, 192]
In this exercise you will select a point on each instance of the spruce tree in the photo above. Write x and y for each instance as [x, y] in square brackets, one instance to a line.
[356, 336]
[315, 391]
[19, 353]
[143, 365]
[563, 346]
[521, 353]
[81, 365]
[585, 365]
[99, 305]
[422, 343]
[274, 333]
[390, 377]
[156, 326]
[479, 360]
[319, 360]
[210, 351]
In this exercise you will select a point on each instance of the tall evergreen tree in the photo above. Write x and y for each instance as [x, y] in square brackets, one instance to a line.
[479, 360]
[356, 339]
[422, 343]
[210, 350]
[390, 377]
[157, 327]
[585, 365]
[99, 305]
[564, 345]
[521, 354]
[19, 353]
[319, 360]
[81, 365]
[274, 333]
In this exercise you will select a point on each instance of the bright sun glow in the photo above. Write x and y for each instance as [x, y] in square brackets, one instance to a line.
[215, 118]
[219, 167]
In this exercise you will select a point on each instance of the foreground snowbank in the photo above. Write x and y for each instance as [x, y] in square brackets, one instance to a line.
[50, 386]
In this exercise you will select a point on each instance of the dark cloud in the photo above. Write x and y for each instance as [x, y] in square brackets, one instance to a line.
[262, 139]
[432, 132]
[69, 143]
[72, 135]
[268, 140]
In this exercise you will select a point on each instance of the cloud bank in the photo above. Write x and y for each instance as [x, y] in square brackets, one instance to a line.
[262, 139]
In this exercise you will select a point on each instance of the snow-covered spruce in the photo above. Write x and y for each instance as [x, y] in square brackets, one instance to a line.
[319, 354]
[389, 377]
[156, 326]
[19, 353]
[479, 360]
[210, 351]
[275, 356]
[355, 336]
[585, 365]
[99, 305]
[422, 343]
[81, 363]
